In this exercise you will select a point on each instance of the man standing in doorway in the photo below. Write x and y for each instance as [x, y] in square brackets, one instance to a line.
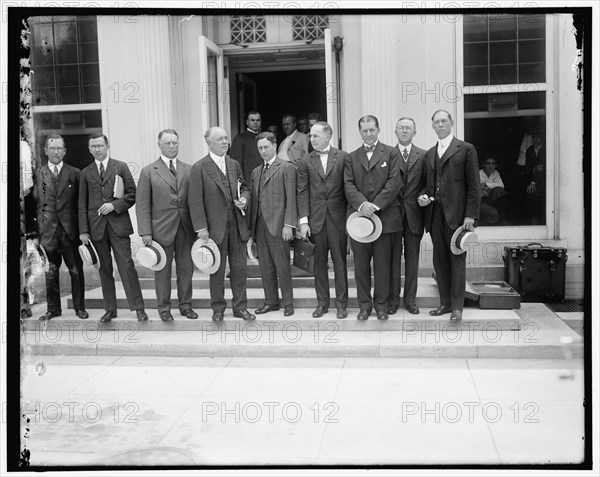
[163, 215]
[219, 213]
[243, 147]
[273, 219]
[414, 176]
[322, 208]
[57, 193]
[372, 184]
[104, 219]
[452, 196]
[295, 144]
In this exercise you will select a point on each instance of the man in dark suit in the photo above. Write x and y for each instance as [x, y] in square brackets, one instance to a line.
[273, 218]
[104, 219]
[413, 180]
[295, 144]
[57, 193]
[535, 175]
[372, 184]
[322, 208]
[163, 215]
[243, 147]
[452, 196]
[217, 210]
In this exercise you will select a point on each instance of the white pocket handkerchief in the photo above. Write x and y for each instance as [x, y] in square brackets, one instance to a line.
[384, 164]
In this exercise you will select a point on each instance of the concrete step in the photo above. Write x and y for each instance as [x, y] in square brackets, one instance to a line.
[541, 335]
[304, 296]
[473, 319]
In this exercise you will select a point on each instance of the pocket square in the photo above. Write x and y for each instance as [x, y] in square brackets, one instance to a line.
[384, 164]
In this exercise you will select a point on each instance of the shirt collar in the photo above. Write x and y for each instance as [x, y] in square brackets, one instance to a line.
[408, 148]
[104, 163]
[166, 160]
[326, 150]
[217, 159]
[374, 144]
[446, 141]
[59, 165]
[251, 131]
[271, 161]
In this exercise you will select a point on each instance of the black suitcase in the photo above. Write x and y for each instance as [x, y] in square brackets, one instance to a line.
[536, 272]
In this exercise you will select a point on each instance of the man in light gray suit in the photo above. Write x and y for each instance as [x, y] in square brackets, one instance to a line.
[163, 215]
[295, 145]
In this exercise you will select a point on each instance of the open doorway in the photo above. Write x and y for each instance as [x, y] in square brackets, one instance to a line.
[274, 93]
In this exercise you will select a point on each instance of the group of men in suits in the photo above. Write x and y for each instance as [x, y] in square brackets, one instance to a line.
[309, 197]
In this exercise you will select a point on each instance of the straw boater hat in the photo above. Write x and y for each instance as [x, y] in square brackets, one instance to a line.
[206, 256]
[152, 256]
[252, 251]
[364, 229]
[89, 255]
[460, 239]
[37, 255]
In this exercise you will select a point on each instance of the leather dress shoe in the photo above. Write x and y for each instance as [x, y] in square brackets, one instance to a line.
[49, 315]
[288, 310]
[217, 316]
[363, 315]
[189, 314]
[392, 309]
[320, 311]
[245, 314]
[341, 313]
[266, 309]
[412, 309]
[166, 316]
[382, 315]
[141, 315]
[82, 314]
[441, 310]
[109, 315]
[456, 315]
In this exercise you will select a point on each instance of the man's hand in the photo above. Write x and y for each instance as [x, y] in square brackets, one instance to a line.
[147, 240]
[106, 209]
[423, 200]
[468, 223]
[85, 238]
[286, 234]
[368, 209]
[539, 168]
[304, 231]
[531, 188]
[240, 204]
[203, 235]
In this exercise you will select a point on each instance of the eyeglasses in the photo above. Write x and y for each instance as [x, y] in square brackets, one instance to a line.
[96, 147]
[55, 149]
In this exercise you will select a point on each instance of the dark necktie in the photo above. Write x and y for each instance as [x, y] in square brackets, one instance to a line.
[370, 148]
[56, 172]
[101, 171]
[405, 154]
[172, 168]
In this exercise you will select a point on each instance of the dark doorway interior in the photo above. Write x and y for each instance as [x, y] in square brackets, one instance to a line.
[298, 92]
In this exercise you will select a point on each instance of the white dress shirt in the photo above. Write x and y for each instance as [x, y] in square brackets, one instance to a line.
[104, 164]
[219, 161]
[370, 154]
[52, 166]
[408, 149]
[166, 161]
[443, 144]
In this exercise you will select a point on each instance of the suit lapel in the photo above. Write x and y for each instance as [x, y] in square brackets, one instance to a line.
[214, 172]
[377, 155]
[181, 170]
[231, 177]
[111, 170]
[272, 170]
[63, 179]
[315, 159]
[413, 157]
[165, 174]
[331, 159]
[362, 157]
[452, 149]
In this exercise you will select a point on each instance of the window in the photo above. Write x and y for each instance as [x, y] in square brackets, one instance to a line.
[504, 67]
[248, 29]
[309, 27]
[65, 81]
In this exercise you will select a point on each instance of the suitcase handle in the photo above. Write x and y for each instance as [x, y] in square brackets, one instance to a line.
[534, 243]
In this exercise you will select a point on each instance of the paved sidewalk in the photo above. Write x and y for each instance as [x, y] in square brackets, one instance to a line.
[115, 410]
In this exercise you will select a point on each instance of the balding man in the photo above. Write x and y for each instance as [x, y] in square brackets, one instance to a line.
[219, 213]
[295, 144]
[322, 208]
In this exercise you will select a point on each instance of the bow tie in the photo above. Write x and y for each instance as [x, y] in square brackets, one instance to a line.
[370, 148]
[321, 152]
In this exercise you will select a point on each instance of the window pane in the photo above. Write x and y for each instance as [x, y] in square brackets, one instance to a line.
[503, 52]
[532, 73]
[88, 31]
[503, 27]
[93, 119]
[532, 26]
[89, 53]
[476, 102]
[42, 46]
[475, 28]
[535, 100]
[532, 51]
[476, 54]
[503, 102]
[90, 75]
[68, 84]
[65, 42]
[476, 75]
[43, 87]
[504, 74]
